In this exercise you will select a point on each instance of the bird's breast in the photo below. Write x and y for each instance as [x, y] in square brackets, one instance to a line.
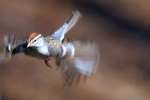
[43, 50]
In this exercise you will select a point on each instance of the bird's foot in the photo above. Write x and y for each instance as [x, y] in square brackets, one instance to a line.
[46, 61]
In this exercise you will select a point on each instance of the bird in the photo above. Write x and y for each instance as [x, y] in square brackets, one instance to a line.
[73, 58]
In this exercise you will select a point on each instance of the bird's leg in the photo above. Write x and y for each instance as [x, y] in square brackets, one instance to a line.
[66, 40]
[80, 78]
[46, 61]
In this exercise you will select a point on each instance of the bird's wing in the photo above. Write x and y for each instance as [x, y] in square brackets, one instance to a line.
[2, 55]
[10, 47]
[5, 48]
[84, 62]
[61, 32]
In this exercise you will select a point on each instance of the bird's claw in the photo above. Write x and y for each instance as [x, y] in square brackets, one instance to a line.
[47, 63]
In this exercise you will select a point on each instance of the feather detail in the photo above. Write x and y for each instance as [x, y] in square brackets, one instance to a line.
[6, 48]
[70, 23]
[32, 36]
[83, 63]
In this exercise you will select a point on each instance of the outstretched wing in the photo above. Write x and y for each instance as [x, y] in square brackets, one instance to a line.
[61, 32]
[5, 48]
[11, 47]
[83, 63]
[3, 57]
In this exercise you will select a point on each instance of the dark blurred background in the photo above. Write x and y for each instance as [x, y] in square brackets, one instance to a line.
[119, 27]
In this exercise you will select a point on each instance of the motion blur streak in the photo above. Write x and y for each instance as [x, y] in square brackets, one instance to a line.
[120, 27]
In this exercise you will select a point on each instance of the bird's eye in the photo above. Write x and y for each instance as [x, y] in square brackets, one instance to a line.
[34, 40]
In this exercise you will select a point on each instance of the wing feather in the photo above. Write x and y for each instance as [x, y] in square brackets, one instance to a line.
[10, 47]
[84, 62]
[61, 32]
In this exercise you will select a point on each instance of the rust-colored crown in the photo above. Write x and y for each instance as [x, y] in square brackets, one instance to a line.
[32, 36]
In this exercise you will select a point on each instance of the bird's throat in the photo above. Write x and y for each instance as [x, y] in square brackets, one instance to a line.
[43, 50]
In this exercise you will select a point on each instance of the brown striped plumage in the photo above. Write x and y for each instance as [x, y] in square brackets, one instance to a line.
[32, 36]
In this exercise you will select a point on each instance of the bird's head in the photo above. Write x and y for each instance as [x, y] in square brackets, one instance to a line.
[35, 40]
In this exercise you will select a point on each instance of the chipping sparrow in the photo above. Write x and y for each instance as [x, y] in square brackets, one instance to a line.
[73, 58]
